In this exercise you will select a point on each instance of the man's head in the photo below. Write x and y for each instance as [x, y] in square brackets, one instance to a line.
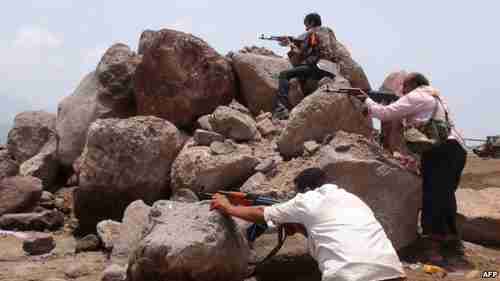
[309, 179]
[413, 81]
[312, 20]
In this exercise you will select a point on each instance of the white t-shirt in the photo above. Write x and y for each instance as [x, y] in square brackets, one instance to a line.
[344, 236]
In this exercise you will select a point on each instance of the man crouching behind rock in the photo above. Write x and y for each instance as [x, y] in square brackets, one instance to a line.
[344, 236]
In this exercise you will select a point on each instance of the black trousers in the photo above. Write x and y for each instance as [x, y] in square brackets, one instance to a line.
[442, 168]
[303, 72]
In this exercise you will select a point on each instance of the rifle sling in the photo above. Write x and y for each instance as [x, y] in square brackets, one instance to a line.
[281, 240]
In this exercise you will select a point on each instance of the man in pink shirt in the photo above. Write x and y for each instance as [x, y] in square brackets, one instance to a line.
[441, 166]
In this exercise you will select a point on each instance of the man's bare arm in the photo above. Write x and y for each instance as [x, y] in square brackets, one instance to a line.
[251, 214]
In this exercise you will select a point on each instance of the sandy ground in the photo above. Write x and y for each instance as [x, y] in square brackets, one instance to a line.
[16, 266]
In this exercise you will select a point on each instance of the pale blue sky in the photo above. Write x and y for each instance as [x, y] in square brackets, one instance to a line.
[46, 47]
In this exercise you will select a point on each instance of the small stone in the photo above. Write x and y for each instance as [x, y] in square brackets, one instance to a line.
[76, 270]
[185, 195]
[108, 231]
[204, 123]
[39, 244]
[266, 165]
[221, 148]
[311, 146]
[54, 279]
[343, 147]
[114, 273]
[87, 244]
[266, 127]
[47, 200]
[203, 137]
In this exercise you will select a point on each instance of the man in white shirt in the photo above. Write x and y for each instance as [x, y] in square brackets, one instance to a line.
[344, 236]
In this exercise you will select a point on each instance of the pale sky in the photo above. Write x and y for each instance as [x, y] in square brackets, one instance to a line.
[46, 47]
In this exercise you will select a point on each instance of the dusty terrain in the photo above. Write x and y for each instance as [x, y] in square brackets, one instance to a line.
[16, 266]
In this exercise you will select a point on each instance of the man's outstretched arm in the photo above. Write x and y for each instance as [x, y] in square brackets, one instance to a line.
[251, 214]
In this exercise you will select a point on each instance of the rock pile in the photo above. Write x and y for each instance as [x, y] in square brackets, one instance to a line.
[143, 133]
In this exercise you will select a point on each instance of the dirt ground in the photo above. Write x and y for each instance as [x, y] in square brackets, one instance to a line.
[16, 266]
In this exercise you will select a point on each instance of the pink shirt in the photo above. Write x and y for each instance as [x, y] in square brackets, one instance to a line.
[416, 108]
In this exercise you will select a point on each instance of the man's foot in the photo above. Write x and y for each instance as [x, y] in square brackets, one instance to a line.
[281, 114]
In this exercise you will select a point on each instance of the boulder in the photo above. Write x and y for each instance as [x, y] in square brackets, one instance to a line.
[115, 73]
[134, 223]
[124, 160]
[197, 168]
[479, 215]
[108, 232]
[258, 83]
[18, 194]
[181, 77]
[39, 244]
[44, 165]
[189, 242]
[31, 131]
[392, 131]
[104, 93]
[46, 220]
[320, 114]
[8, 166]
[233, 124]
[392, 192]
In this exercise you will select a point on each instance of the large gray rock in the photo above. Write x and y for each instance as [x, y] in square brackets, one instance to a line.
[124, 160]
[479, 215]
[233, 124]
[18, 194]
[46, 220]
[31, 131]
[181, 77]
[8, 166]
[393, 193]
[44, 165]
[115, 73]
[320, 114]
[132, 229]
[257, 77]
[104, 93]
[197, 168]
[189, 242]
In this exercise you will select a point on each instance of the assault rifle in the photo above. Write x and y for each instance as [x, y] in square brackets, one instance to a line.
[282, 38]
[255, 230]
[377, 96]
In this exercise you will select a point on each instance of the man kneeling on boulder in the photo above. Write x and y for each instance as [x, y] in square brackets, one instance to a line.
[344, 236]
[313, 59]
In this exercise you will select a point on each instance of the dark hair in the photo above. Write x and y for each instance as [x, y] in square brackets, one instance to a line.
[309, 179]
[417, 79]
[313, 19]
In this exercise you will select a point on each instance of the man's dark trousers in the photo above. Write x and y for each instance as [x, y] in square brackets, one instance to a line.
[442, 168]
[303, 72]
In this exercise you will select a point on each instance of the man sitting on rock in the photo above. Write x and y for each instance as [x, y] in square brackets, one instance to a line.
[310, 60]
[344, 236]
